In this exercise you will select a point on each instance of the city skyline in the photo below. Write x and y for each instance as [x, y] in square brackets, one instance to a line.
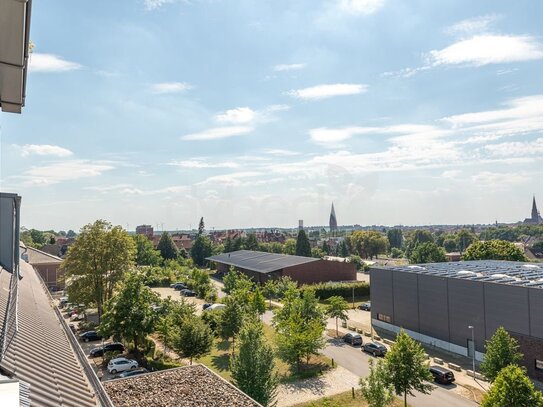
[167, 111]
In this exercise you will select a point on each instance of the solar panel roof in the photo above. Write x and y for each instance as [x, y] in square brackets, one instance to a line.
[260, 262]
[503, 272]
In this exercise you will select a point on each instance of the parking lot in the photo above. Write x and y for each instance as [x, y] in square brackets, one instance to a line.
[166, 292]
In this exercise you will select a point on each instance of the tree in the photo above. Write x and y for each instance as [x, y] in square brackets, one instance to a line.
[194, 339]
[231, 320]
[201, 226]
[395, 238]
[317, 253]
[130, 312]
[166, 246]
[228, 245]
[270, 290]
[369, 244]
[96, 262]
[450, 245]
[234, 280]
[257, 302]
[303, 248]
[512, 388]
[289, 247]
[500, 351]
[343, 249]
[276, 247]
[406, 367]
[146, 255]
[70, 234]
[494, 250]
[251, 243]
[38, 237]
[326, 247]
[253, 368]
[427, 253]
[464, 239]
[337, 308]
[201, 249]
[375, 387]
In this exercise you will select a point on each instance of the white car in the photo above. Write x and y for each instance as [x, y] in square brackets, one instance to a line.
[215, 307]
[121, 364]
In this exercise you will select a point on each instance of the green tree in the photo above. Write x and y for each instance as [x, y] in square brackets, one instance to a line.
[270, 290]
[396, 253]
[406, 367]
[70, 233]
[512, 388]
[284, 284]
[234, 280]
[194, 338]
[500, 351]
[96, 262]
[251, 243]
[228, 245]
[253, 368]
[201, 226]
[130, 312]
[427, 253]
[201, 249]
[303, 248]
[166, 247]
[276, 247]
[494, 250]
[395, 238]
[337, 308]
[326, 247]
[343, 249]
[146, 255]
[317, 253]
[231, 320]
[369, 244]
[464, 239]
[450, 245]
[375, 387]
[257, 302]
[38, 237]
[289, 247]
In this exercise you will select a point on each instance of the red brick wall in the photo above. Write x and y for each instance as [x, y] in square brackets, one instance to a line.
[321, 271]
[532, 348]
[51, 275]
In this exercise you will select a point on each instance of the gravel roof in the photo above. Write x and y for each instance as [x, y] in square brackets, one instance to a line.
[188, 386]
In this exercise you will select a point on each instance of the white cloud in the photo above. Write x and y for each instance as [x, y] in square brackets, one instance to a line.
[488, 49]
[360, 7]
[288, 67]
[50, 63]
[198, 163]
[326, 91]
[516, 148]
[169, 87]
[65, 171]
[217, 133]
[236, 116]
[44, 149]
[471, 26]
[154, 4]
[231, 180]
[280, 152]
[500, 180]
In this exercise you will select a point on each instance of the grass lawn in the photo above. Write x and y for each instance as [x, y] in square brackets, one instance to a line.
[343, 400]
[219, 361]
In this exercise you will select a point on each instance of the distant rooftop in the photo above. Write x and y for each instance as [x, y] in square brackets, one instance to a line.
[501, 272]
[260, 262]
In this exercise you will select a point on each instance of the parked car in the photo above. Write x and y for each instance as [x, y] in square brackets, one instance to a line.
[366, 306]
[442, 375]
[120, 365]
[108, 347]
[90, 336]
[77, 317]
[188, 293]
[63, 302]
[130, 373]
[206, 306]
[375, 348]
[353, 338]
[214, 307]
[179, 286]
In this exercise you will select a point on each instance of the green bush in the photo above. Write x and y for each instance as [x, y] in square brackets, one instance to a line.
[162, 364]
[345, 290]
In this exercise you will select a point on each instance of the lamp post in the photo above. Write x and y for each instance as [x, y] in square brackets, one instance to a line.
[473, 344]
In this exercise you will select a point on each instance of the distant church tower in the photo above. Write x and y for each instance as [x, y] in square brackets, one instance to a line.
[535, 219]
[333, 220]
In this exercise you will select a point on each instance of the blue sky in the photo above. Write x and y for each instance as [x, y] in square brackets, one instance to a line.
[260, 113]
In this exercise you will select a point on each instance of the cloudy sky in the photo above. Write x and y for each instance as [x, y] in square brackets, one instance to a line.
[260, 113]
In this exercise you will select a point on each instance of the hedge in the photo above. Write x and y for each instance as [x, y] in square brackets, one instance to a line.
[345, 290]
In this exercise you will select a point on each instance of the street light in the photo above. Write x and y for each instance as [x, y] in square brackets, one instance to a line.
[473, 344]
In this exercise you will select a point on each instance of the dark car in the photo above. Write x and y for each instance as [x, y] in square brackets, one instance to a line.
[375, 348]
[188, 293]
[353, 338]
[365, 306]
[179, 286]
[108, 347]
[206, 305]
[90, 336]
[442, 375]
[130, 373]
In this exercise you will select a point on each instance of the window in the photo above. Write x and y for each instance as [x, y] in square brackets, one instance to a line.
[385, 318]
[538, 364]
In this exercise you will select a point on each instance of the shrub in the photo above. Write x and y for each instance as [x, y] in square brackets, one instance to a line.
[345, 290]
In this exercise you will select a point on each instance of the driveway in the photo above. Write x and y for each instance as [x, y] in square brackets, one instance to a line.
[166, 292]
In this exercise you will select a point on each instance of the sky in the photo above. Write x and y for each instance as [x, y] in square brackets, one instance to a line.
[260, 113]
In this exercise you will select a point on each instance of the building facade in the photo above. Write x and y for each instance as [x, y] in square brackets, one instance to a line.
[146, 230]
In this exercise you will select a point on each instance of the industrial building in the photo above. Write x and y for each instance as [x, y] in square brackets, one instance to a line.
[458, 306]
[262, 266]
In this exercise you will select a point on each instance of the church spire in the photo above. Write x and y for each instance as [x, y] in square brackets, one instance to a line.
[333, 220]
[535, 212]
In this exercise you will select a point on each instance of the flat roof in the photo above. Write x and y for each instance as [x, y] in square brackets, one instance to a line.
[494, 271]
[261, 262]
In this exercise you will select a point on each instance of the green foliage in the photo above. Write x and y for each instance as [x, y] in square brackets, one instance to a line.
[538, 247]
[395, 238]
[464, 239]
[276, 247]
[234, 280]
[146, 255]
[200, 282]
[450, 245]
[357, 261]
[494, 250]
[257, 302]
[317, 253]
[201, 249]
[250, 242]
[231, 319]
[194, 338]
[369, 244]
[303, 248]
[343, 250]
[283, 285]
[253, 368]
[129, 313]
[289, 247]
[375, 387]
[427, 253]
[201, 226]
[406, 367]
[70, 234]
[345, 290]
[337, 308]
[396, 253]
[96, 262]
[512, 388]
[500, 351]
[166, 247]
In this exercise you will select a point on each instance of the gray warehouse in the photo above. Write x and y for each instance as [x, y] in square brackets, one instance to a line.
[438, 303]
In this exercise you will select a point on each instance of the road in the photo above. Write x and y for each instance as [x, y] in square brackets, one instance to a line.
[357, 362]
